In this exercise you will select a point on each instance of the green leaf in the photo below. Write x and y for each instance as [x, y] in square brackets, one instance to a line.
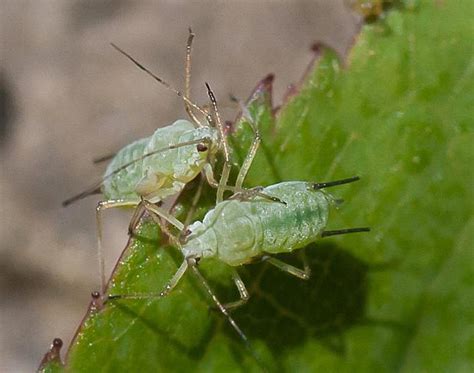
[397, 299]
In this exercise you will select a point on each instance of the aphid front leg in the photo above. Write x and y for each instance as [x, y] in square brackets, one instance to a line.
[292, 270]
[243, 292]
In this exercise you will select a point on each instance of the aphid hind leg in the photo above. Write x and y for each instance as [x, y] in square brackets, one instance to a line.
[285, 267]
[101, 206]
[225, 312]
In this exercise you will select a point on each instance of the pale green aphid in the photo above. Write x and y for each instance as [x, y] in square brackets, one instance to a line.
[159, 166]
[248, 227]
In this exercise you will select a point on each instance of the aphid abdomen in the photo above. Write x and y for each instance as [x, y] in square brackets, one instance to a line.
[121, 186]
[242, 230]
[296, 224]
[166, 173]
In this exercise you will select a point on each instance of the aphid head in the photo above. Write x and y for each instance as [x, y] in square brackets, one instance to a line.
[210, 142]
[200, 242]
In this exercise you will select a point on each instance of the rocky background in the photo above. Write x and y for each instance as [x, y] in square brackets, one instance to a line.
[66, 97]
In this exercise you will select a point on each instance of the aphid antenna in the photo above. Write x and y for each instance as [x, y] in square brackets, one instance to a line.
[95, 189]
[344, 231]
[335, 183]
[187, 75]
[186, 99]
[88, 192]
[226, 169]
[103, 158]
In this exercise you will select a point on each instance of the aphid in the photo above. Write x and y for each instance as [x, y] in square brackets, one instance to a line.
[159, 166]
[247, 227]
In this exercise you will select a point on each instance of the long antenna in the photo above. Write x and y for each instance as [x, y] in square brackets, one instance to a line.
[95, 189]
[160, 80]
[187, 77]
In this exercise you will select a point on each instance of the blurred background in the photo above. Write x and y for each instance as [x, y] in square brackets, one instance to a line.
[66, 97]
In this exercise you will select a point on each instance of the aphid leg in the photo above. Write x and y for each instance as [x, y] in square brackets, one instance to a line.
[225, 147]
[158, 214]
[194, 203]
[247, 194]
[156, 211]
[304, 259]
[209, 174]
[225, 312]
[171, 284]
[190, 262]
[292, 270]
[137, 214]
[344, 231]
[187, 78]
[250, 156]
[243, 292]
[103, 205]
[253, 148]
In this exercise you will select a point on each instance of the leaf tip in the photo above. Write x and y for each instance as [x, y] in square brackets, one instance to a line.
[53, 356]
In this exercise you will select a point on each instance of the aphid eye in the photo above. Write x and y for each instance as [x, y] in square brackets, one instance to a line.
[201, 148]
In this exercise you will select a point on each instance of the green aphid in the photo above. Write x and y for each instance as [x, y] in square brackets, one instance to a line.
[249, 227]
[154, 168]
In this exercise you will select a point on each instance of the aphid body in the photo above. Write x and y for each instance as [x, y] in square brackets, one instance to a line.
[237, 232]
[158, 175]
[250, 226]
[159, 166]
